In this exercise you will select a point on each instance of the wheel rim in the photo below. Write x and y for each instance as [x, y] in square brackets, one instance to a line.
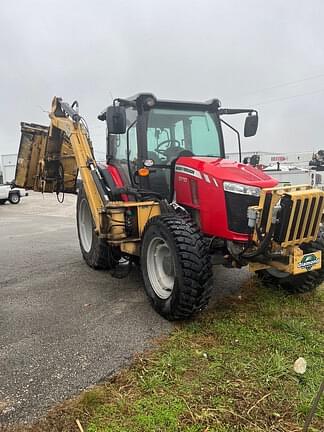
[85, 225]
[14, 198]
[160, 267]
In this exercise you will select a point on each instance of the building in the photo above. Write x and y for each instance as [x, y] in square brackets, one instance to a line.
[8, 164]
[300, 159]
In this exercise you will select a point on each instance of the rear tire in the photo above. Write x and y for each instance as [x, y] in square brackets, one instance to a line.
[176, 267]
[95, 251]
[14, 198]
[301, 283]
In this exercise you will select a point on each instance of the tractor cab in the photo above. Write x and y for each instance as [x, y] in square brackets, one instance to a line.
[144, 132]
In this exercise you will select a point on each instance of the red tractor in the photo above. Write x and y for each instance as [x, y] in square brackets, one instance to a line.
[169, 200]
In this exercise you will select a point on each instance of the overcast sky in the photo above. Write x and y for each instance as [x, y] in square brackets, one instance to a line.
[257, 53]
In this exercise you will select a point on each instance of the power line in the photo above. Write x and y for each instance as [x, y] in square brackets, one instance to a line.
[285, 84]
[287, 97]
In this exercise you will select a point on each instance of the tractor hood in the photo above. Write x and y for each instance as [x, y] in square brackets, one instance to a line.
[227, 170]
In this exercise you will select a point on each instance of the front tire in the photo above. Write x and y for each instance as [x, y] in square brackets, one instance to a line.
[301, 283]
[176, 267]
[14, 198]
[95, 251]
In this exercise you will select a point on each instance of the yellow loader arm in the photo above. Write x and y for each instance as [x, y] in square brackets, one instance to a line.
[49, 160]
[51, 156]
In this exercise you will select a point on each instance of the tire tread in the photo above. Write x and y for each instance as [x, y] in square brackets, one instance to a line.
[195, 263]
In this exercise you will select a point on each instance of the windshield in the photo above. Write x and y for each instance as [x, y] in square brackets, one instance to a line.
[171, 132]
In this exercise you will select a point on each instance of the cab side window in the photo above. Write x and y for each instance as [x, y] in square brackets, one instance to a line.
[121, 145]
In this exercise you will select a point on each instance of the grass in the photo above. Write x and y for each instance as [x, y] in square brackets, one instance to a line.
[231, 369]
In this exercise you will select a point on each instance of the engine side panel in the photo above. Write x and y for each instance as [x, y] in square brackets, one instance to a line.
[210, 203]
[199, 185]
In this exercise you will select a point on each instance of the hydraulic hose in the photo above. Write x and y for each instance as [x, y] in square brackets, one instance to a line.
[60, 184]
[263, 246]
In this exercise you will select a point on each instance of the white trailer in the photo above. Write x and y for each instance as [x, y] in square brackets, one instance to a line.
[298, 159]
[291, 175]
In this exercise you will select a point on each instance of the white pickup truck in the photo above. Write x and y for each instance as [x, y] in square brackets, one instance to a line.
[11, 194]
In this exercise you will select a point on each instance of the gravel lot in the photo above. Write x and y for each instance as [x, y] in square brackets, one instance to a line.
[64, 326]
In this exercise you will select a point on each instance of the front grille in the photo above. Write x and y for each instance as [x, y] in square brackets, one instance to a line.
[237, 206]
[299, 215]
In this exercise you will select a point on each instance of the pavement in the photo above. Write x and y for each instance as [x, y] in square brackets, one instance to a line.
[64, 326]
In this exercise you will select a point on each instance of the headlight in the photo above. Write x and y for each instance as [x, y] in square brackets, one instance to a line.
[241, 189]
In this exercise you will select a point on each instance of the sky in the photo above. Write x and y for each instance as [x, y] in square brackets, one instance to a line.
[261, 54]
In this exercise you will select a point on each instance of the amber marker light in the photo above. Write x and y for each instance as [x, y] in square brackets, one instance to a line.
[143, 172]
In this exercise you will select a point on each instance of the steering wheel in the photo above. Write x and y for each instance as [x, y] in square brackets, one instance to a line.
[168, 141]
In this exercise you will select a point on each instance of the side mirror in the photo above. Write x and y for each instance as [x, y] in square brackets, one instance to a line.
[251, 124]
[116, 119]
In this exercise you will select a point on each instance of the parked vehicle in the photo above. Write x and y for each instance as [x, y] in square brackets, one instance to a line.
[11, 194]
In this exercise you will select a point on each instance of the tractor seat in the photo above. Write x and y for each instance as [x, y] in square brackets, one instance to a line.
[109, 182]
[162, 180]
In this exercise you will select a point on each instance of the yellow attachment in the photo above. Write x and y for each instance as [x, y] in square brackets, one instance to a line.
[77, 136]
[146, 212]
[131, 248]
[303, 216]
[306, 262]
[116, 224]
[116, 214]
[66, 142]
[298, 262]
[35, 148]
